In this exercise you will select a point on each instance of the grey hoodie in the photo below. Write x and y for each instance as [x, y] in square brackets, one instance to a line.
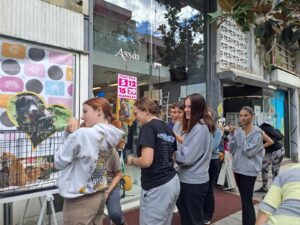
[194, 155]
[247, 151]
[81, 158]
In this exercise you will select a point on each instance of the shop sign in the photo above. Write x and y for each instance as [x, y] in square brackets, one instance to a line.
[126, 55]
[127, 86]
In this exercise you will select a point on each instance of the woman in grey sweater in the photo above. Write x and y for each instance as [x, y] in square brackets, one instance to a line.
[193, 158]
[246, 146]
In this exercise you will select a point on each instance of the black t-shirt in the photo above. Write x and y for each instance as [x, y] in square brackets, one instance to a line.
[157, 135]
[274, 147]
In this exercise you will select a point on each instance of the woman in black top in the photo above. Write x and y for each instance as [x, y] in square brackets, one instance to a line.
[273, 155]
[160, 183]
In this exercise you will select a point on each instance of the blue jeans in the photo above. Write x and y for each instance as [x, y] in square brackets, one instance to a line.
[114, 207]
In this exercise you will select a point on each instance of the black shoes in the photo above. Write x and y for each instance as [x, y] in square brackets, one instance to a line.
[262, 190]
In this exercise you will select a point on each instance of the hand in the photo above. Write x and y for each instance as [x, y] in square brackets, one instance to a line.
[73, 124]
[231, 128]
[130, 159]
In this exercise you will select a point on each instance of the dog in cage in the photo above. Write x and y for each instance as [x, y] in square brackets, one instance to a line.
[32, 115]
[13, 172]
[14, 169]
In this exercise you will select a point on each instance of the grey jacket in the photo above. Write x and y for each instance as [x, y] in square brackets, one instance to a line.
[193, 157]
[247, 151]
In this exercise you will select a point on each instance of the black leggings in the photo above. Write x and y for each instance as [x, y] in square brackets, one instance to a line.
[246, 187]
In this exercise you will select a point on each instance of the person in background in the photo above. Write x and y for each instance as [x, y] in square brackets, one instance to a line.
[173, 115]
[246, 147]
[113, 197]
[159, 180]
[214, 166]
[82, 159]
[177, 129]
[281, 205]
[193, 159]
[273, 155]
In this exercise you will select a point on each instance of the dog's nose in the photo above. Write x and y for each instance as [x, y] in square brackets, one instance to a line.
[33, 109]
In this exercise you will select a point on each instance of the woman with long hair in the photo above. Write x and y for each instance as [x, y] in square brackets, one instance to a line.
[246, 147]
[83, 160]
[156, 147]
[193, 159]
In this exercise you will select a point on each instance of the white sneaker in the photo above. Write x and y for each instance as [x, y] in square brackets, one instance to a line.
[175, 209]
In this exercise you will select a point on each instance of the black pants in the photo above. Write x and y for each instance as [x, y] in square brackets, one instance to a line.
[209, 202]
[246, 187]
[190, 203]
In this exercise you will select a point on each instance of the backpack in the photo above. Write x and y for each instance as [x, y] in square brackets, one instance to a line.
[272, 132]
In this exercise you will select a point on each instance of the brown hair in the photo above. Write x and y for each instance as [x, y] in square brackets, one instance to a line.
[173, 106]
[147, 104]
[248, 109]
[180, 105]
[97, 102]
[199, 111]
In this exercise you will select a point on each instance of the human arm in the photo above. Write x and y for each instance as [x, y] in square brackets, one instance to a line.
[253, 145]
[191, 150]
[271, 202]
[262, 218]
[116, 179]
[179, 138]
[67, 152]
[268, 141]
[72, 125]
[145, 160]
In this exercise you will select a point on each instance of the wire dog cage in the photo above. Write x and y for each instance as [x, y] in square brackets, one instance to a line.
[25, 168]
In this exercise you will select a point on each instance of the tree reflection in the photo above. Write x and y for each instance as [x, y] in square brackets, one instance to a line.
[183, 39]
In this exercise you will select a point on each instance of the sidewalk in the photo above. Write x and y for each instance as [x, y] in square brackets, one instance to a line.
[236, 218]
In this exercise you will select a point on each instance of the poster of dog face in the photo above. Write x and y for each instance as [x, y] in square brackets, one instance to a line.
[30, 114]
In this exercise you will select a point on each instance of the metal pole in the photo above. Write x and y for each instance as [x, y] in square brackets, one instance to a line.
[91, 48]
[7, 213]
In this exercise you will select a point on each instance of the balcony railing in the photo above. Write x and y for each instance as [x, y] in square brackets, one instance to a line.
[284, 58]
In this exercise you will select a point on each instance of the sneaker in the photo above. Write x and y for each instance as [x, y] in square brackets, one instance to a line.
[262, 190]
[207, 222]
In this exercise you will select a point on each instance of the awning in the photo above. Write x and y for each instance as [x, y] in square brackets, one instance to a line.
[238, 76]
[286, 79]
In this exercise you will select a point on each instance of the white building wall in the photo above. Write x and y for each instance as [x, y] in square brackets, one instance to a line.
[46, 24]
[38, 21]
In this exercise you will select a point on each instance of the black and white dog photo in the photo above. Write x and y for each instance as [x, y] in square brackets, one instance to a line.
[31, 114]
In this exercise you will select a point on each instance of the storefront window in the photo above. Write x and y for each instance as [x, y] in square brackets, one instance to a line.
[161, 43]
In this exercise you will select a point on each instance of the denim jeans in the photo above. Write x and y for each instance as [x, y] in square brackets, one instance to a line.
[114, 207]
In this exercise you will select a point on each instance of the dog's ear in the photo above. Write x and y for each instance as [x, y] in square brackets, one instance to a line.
[21, 101]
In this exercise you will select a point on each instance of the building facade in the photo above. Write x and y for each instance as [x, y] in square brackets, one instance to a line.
[56, 49]
[43, 55]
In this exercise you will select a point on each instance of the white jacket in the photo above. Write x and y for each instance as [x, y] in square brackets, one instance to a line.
[81, 159]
